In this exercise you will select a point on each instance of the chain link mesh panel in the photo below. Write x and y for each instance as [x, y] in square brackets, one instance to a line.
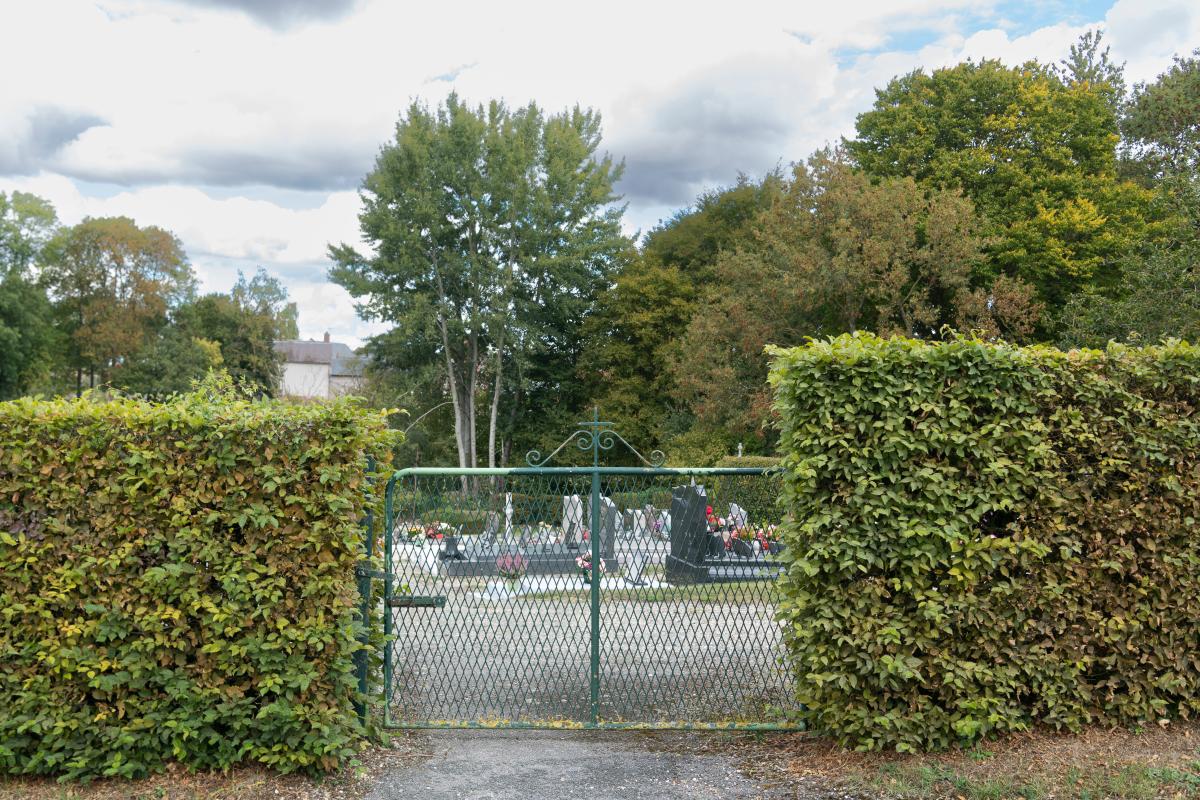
[498, 615]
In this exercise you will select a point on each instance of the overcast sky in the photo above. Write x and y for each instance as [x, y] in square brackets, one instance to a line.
[246, 126]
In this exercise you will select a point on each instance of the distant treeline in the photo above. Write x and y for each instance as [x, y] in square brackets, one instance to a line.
[106, 303]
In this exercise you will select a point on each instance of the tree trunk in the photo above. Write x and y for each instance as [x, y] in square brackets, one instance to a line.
[497, 382]
[472, 450]
[455, 398]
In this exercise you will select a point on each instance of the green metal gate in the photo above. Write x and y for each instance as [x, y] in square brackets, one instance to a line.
[583, 596]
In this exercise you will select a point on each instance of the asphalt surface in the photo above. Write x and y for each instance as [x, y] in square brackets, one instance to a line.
[497, 765]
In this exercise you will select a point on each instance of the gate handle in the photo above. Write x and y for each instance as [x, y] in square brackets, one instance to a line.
[417, 601]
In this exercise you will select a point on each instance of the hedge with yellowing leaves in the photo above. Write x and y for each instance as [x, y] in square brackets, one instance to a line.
[177, 582]
[984, 537]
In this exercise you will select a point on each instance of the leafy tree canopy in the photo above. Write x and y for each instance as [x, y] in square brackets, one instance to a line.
[493, 229]
[113, 284]
[28, 339]
[1034, 148]
[838, 252]
[1160, 299]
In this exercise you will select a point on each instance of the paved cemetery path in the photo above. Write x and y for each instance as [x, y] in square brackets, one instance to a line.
[554, 765]
[528, 659]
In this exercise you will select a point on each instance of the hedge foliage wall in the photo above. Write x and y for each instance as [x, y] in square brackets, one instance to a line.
[177, 582]
[985, 537]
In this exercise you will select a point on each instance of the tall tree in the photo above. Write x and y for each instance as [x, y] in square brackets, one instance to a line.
[28, 339]
[112, 284]
[1090, 66]
[1162, 132]
[491, 227]
[1036, 153]
[245, 335]
[838, 253]
[1159, 299]
[27, 222]
[630, 336]
[169, 364]
[264, 294]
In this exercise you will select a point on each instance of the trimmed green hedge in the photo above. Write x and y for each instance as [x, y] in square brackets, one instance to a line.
[983, 537]
[177, 582]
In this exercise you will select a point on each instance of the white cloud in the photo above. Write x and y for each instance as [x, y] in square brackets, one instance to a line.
[176, 107]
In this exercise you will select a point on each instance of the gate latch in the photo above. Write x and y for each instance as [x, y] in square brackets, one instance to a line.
[417, 601]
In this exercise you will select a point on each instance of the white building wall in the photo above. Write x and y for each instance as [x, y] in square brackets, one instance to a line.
[344, 384]
[305, 380]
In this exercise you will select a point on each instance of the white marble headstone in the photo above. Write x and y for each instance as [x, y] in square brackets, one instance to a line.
[572, 520]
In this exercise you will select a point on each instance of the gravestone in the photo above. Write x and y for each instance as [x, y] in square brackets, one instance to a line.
[641, 525]
[573, 520]
[491, 528]
[737, 515]
[608, 527]
[689, 535]
[634, 567]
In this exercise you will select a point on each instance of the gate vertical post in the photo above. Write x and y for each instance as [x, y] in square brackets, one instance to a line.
[596, 570]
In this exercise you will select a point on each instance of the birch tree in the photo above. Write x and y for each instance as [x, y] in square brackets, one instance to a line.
[483, 223]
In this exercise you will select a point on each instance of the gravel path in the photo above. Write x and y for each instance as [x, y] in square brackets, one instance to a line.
[527, 658]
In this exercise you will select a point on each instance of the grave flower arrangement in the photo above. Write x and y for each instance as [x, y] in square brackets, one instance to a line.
[437, 530]
[512, 566]
[741, 541]
[769, 539]
[584, 563]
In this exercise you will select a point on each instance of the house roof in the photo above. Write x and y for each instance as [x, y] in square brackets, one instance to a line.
[341, 359]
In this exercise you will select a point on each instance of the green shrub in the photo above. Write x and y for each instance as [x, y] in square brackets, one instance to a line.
[757, 494]
[658, 496]
[177, 582]
[469, 522]
[982, 537]
[530, 509]
[753, 462]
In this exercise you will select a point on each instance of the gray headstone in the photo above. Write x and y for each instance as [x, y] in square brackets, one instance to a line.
[608, 527]
[642, 525]
[491, 527]
[635, 566]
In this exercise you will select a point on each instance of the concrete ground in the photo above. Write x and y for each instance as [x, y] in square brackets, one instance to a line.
[597, 765]
[692, 658]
